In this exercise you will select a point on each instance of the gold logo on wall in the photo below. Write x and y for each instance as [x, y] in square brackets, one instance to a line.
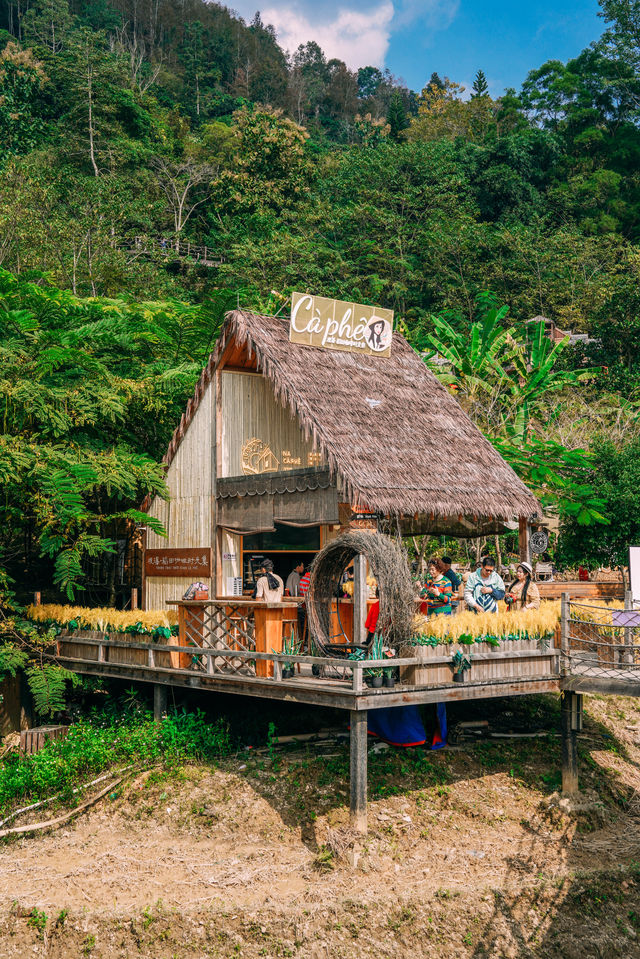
[257, 457]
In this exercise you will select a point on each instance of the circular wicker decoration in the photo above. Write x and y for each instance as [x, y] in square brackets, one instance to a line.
[388, 563]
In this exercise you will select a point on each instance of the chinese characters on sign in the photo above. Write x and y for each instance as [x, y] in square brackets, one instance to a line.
[178, 562]
[335, 325]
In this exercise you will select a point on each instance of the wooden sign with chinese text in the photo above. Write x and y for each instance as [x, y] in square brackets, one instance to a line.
[335, 325]
[178, 562]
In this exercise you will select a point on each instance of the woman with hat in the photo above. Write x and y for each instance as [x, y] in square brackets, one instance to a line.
[523, 592]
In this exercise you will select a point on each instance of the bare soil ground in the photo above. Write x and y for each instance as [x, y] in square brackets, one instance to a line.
[469, 854]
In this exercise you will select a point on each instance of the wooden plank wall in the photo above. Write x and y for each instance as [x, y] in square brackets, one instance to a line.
[187, 516]
[250, 410]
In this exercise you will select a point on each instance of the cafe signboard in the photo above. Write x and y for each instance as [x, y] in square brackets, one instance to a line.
[337, 325]
[178, 562]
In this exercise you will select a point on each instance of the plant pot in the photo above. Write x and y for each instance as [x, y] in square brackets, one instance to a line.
[460, 677]
[376, 682]
[388, 682]
[287, 672]
[316, 670]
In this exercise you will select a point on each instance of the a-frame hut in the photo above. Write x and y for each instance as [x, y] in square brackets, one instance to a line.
[283, 444]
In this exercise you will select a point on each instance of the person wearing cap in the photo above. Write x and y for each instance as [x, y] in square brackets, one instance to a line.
[523, 592]
[269, 587]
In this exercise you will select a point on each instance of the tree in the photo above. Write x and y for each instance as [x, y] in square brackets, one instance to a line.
[397, 116]
[615, 473]
[186, 186]
[21, 80]
[91, 393]
[502, 376]
[480, 86]
[49, 23]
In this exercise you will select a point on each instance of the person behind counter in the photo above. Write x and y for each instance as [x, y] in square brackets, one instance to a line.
[436, 592]
[293, 580]
[269, 587]
[484, 588]
[523, 592]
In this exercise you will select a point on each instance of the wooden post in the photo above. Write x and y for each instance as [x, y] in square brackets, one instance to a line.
[134, 598]
[268, 620]
[36, 599]
[359, 598]
[159, 701]
[627, 656]
[565, 654]
[358, 770]
[523, 538]
[571, 724]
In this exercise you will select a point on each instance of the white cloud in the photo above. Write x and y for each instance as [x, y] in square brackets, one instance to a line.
[355, 36]
[356, 31]
[433, 14]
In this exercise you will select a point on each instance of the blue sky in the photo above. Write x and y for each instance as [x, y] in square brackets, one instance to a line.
[454, 37]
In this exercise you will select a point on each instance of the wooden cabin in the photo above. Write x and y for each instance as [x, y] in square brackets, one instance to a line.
[284, 444]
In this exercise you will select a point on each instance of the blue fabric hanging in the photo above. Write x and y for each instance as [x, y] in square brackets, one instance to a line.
[398, 725]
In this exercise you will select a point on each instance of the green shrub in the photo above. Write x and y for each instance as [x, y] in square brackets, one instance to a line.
[94, 746]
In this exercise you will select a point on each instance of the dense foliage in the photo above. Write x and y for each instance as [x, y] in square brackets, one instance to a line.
[159, 162]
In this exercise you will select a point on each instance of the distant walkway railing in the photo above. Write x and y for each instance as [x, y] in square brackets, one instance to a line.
[168, 247]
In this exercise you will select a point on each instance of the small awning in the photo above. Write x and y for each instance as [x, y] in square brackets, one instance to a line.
[255, 503]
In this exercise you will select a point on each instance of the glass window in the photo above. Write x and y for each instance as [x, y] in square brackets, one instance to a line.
[284, 537]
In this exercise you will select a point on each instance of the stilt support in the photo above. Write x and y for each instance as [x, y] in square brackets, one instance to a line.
[359, 770]
[159, 701]
[571, 726]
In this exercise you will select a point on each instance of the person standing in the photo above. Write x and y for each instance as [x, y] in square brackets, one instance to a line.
[445, 566]
[484, 588]
[523, 592]
[436, 592]
[269, 587]
[293, 580]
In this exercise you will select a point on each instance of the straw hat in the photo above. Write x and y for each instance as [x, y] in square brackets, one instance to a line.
[527, 567]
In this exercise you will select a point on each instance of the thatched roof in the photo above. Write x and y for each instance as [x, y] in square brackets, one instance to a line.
[395, 436]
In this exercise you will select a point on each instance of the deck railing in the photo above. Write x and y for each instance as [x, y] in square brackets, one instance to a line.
[600, 642]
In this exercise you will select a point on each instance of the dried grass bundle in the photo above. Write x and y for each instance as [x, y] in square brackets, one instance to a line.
[531, 622]
[102, 619]
[388, 563]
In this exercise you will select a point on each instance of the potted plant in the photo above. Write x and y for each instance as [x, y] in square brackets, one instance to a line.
[461, 665]
[375, 675]
[289, 648]
[389, 678]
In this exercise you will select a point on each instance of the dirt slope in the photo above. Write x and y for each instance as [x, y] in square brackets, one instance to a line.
[468, 855]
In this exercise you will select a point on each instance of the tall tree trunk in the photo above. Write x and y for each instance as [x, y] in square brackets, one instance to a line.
[91, 136]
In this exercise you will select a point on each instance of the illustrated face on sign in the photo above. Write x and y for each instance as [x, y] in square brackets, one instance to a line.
[378, 335]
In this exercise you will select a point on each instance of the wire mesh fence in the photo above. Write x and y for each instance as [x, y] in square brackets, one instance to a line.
[602, 641]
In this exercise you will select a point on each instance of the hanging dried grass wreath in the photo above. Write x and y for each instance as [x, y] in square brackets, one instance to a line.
[388, 563]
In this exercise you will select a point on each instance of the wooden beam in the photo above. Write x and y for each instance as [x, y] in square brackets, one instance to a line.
[358, 771]
[359, 598]
[523, 538]
[604, 687]
[313, 692]
[571, 724]
[160, 696]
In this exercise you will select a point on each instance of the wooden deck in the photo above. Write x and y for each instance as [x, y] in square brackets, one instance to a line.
[340, 693]
[222, 649]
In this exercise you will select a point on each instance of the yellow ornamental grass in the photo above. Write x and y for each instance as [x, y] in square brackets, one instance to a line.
[531, 622]
[103, 619]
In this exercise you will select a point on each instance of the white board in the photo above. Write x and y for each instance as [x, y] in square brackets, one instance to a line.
[634, 572]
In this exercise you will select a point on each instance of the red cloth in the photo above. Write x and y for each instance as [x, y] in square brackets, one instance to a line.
[304, 584]
[583, 574]
[372, 617]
